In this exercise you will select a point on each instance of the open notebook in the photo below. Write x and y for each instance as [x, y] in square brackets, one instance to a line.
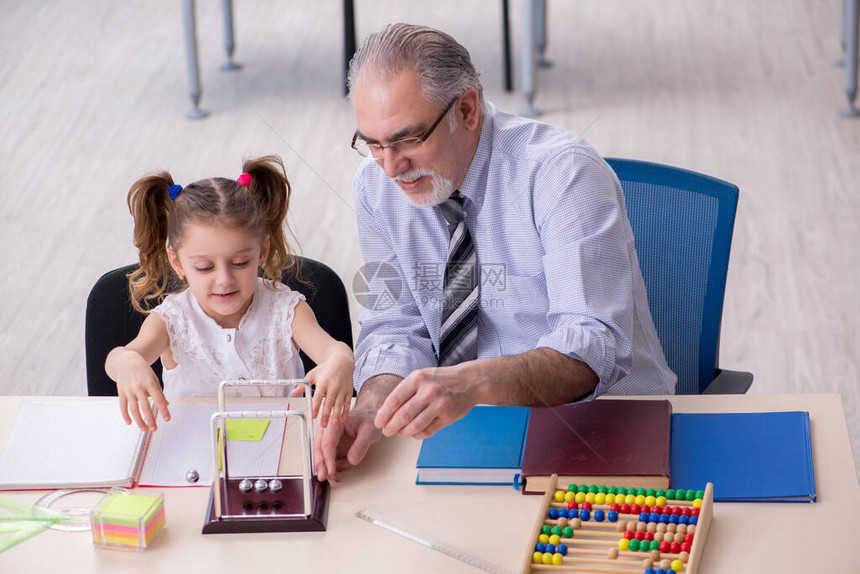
[59, 444]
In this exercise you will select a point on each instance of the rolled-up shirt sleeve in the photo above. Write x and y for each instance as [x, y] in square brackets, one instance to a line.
[393, 338]
[588, 259]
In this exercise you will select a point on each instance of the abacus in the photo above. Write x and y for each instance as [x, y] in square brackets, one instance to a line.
[617, 530]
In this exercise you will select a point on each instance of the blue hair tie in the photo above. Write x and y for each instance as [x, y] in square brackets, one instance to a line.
[173, 191]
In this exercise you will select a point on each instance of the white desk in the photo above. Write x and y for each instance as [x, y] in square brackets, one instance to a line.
[492, 522]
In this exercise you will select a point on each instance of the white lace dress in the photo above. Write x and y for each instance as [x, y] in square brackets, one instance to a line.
[206, 354]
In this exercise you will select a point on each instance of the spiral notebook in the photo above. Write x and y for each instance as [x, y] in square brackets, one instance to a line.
[86, 444]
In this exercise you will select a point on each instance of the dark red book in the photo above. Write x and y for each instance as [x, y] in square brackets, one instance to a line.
[604, 442]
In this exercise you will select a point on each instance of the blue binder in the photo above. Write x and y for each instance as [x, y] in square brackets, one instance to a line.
[750, 457]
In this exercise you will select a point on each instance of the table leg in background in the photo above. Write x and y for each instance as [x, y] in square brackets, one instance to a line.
[194, 88]
[527, 58]
[229, 43]
[851, 33]
[506, 47]
[541, 34]
[348, 39]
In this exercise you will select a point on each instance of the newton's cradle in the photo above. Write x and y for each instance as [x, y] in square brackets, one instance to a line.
[288, 503]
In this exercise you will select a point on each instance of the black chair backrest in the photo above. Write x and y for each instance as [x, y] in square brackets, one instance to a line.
[111, 321]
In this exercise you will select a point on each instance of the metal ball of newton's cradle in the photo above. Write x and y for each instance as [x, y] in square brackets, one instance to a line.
[275, 485]
[261, 486]
[192, 476]
[245, 485]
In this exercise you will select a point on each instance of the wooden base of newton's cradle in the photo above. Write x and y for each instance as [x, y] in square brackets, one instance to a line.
[269, 512]
[593, 557]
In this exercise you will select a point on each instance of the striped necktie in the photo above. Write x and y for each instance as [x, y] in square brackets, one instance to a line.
[458, 340]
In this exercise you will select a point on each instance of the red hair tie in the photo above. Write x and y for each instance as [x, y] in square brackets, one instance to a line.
[245, 179]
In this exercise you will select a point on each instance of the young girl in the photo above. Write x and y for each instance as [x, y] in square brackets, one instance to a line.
[214, 235]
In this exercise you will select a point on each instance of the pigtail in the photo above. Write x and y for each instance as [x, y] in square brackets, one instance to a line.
[269, 184]
[149, 204]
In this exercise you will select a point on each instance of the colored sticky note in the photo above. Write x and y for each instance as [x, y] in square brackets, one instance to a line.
[129, 505]
[246, 429]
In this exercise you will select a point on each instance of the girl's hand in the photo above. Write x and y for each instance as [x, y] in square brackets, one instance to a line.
[136, 384]
[333, 380]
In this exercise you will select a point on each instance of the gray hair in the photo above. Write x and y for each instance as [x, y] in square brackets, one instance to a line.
[443, 66]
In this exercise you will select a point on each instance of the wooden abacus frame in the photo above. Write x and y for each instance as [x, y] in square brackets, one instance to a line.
[606, 565]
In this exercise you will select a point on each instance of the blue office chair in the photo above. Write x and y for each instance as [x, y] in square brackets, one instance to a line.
[682, 226]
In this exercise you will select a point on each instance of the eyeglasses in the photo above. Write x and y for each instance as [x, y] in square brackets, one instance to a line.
[405, 146]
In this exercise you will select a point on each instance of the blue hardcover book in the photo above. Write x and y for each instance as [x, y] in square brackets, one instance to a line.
[484, 447]
[750, 457]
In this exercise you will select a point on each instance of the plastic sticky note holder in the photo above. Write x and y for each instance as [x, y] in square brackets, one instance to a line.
[127, 521]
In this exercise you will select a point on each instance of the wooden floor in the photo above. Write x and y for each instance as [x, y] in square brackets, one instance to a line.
[93, 95]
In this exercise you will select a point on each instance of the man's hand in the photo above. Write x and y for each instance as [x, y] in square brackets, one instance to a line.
[342, 445]
[426, 401]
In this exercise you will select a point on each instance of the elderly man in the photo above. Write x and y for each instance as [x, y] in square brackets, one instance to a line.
[509, 245]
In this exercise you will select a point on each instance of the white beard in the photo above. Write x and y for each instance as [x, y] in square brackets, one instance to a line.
[442, 188]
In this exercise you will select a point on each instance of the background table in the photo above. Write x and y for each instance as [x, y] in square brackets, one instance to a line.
[492, 522]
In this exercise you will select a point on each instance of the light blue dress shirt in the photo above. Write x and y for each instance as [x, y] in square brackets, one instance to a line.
[556, 260]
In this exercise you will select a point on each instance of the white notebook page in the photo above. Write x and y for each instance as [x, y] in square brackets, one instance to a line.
[67, 444]
[183, 444]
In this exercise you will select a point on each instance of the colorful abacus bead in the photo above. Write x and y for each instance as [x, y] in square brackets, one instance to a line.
[567, 532]
[546, 558]
[612, 516]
